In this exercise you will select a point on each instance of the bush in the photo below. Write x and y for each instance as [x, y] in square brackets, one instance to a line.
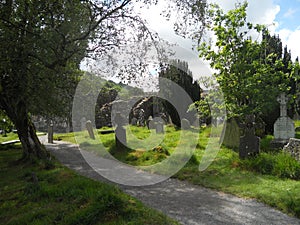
[286, 166]
[279, 164]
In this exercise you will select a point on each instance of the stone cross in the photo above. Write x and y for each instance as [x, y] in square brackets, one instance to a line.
[282, 99]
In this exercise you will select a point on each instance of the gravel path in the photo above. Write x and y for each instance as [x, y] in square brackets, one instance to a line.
[187, 203]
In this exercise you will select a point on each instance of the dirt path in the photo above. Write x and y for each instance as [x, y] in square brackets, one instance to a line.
[187, 203]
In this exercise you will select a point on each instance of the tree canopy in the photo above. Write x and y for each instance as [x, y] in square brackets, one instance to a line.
[43, 42]
[251, 73]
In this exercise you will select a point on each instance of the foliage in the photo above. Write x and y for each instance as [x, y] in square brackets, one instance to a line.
[228, 173]
[59, 196]
[5, 123]
[42, 44]
[249, 79]
[178, 72]
[280, 164]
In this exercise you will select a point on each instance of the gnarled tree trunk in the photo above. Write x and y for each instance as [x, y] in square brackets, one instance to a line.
[32, 147]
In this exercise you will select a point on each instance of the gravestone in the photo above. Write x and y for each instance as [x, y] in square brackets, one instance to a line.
[231, 134]
[185, 124]
[151, 125]
[249, 143]
[120, 132]
[159, 127]
[90, 130]
[284, 128]
[50, 133]
[120, 136]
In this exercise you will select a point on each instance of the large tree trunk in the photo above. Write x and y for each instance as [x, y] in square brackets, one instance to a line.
[32, 147]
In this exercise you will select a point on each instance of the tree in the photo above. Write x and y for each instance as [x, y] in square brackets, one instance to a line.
[42, 44]
[178, 72]
[248, 72]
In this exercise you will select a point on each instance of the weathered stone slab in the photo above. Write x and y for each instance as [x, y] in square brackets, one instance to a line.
[293, 148]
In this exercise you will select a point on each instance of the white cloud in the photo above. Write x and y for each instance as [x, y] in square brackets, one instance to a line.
[291, 39]
[289, 13]
[264, 12]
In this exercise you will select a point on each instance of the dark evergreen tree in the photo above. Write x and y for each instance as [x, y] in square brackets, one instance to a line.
[178, 72]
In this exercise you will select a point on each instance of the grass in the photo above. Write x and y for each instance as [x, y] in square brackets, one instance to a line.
[227, 172]
[34, 193]
[9, 137]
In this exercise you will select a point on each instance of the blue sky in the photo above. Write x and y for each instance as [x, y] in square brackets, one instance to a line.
[281, 16]
[289, 14]
[284, 14]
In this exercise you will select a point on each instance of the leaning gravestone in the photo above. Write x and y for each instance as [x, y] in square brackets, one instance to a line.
[249, 143]
[284, 128]
[89, 128]
[185, 124]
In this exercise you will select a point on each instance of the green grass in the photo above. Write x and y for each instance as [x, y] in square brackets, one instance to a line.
[227, 173]
[9, 137]
[60, 196]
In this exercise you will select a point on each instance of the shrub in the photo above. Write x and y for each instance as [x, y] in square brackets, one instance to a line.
[279, 164]
[286, 166]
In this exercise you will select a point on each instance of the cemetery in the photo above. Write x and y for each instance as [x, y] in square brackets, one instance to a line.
[233, 131]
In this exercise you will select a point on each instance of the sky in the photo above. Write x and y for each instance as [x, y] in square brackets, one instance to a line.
[281, 16]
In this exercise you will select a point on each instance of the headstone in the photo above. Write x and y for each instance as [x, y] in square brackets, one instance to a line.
[185, 124]
[231, 134]
[120, 132]
[293, 148]
[150, 123]
[159, 128]
[249, 143]
[120, 136]
[50, 133]
[284, 128]
[89, 128]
